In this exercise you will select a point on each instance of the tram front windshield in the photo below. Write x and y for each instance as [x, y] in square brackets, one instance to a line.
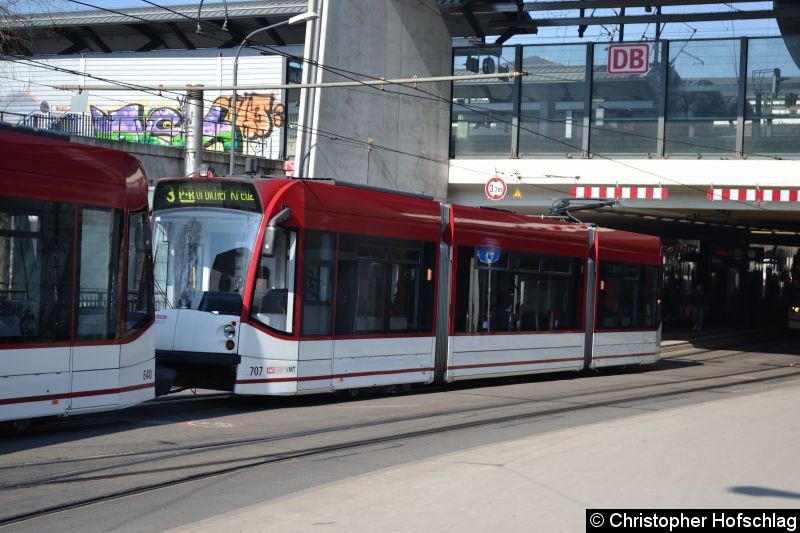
[202, 256]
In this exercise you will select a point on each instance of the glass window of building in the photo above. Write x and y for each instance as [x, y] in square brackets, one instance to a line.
[482, 109]
[701, 96]
[625, 106]
[294, 74]
[552, 99]
[772, 114]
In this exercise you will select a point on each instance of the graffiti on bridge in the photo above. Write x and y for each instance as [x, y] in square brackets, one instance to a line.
[257, 117]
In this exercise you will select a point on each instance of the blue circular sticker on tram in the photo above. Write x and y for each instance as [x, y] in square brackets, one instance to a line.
[488, 255]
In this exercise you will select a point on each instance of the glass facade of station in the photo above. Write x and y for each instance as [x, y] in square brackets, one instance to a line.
[718, 97]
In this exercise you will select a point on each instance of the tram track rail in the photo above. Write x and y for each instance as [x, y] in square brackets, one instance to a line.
[684, 357]
[184, 450]
[223, 466]
[82, 421]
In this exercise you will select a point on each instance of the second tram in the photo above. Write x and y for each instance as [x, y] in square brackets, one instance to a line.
[76, 296]
[283, 287]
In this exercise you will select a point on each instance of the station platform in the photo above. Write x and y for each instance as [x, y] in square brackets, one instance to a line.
[719, 454]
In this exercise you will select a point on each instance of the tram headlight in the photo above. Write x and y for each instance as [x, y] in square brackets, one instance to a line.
[229, 331]
[795, 309]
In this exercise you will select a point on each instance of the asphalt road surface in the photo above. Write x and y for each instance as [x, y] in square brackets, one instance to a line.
[185, 459]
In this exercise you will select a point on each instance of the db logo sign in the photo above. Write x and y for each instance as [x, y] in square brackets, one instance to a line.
[628, 58]
[495, 188]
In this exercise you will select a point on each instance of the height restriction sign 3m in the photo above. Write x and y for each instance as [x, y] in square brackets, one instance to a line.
[495, 188]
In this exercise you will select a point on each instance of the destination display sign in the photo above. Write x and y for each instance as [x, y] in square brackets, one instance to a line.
[206, 193]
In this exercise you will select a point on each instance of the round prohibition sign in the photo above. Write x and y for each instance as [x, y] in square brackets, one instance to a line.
[495, 188]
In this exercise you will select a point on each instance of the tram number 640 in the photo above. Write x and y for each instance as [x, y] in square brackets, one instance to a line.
[147, 375]
[256, 370]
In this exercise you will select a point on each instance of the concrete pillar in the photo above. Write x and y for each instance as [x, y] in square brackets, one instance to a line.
[193, 154]
[396, 137]
[311, 74]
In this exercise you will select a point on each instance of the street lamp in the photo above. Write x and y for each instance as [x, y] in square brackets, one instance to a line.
[303, 17]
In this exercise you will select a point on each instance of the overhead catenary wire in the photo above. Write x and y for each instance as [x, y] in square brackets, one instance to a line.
[177, 90]
[358, 141]
[334, 84]
[433, 96]
[158, 89]
[360, 82]
[336, 137]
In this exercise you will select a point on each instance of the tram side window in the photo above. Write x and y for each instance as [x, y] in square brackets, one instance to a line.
[628, 296]
[319, 255]
[35, 270]
[273, 293]
[384, 286]
[652, 302]
[98, 304]
[515, 291]
[139, 308]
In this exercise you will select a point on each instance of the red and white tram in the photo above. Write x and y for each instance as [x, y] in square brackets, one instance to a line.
[76, 296]
[277, 286]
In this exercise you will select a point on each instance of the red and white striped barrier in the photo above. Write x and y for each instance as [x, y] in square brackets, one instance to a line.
[621, 193]
[754, 195]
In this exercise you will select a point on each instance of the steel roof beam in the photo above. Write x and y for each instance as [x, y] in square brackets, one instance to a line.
[473, 22]
[219, 24]
[506, 35]
[273, 34]
[78, 44]
[155, 40]
[650, 19]
[611, 4]
[96, 39]
[181, 35]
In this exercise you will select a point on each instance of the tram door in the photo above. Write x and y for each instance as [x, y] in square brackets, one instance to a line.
[319, 267]
[96, 352]
[92, 372]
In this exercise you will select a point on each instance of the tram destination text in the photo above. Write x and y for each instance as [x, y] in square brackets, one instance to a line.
[206, 193]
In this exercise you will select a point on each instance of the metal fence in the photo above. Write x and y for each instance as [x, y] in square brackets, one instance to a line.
[216, 135]
[68, 124]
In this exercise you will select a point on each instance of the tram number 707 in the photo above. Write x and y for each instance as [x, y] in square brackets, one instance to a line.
[256, 370]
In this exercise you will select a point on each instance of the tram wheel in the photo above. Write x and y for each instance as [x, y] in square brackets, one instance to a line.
[21, 425]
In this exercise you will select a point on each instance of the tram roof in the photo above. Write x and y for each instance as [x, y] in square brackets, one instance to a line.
[486, 227]
[354, 208]
[349, 208]
[370, 211]
[51, 168]
[626, 246]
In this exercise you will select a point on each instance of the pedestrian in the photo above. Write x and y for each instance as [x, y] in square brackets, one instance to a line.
[699, 306]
